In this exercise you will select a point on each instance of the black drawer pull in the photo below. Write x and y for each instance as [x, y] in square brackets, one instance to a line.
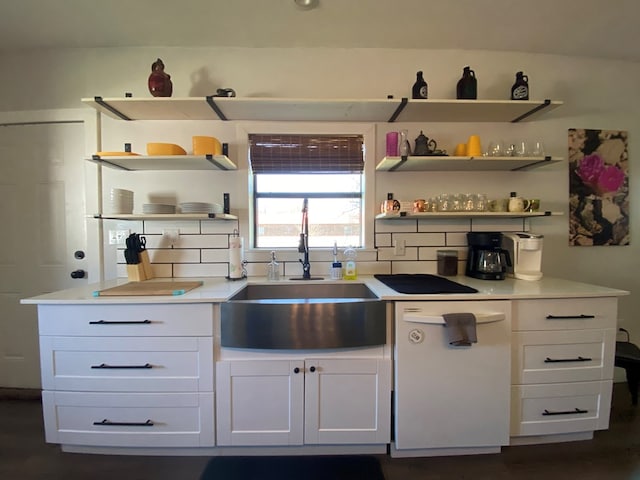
[107, 366]
[575, 411]
[148, 423]
[123, 322]
[569, 317]
[563, 360]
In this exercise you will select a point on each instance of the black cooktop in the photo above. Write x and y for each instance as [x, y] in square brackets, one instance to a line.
[421, 283]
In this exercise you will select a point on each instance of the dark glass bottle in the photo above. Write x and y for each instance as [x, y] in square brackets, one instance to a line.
[420, 89]
[520, 89]
[467, 87]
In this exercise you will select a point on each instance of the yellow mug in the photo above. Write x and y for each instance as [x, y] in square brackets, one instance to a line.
[206, 145]
[461, 150]
[474, 148]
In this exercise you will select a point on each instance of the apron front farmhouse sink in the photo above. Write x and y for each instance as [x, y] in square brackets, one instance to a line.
[303, 316]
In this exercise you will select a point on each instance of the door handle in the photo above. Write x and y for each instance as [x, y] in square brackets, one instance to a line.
[78, 274]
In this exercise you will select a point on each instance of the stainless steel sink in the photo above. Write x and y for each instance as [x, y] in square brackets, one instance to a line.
[303, 316]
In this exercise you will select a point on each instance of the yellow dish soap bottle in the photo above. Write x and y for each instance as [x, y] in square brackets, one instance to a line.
[350, 270]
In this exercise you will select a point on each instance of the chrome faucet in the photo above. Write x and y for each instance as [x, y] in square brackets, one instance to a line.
[303, 246]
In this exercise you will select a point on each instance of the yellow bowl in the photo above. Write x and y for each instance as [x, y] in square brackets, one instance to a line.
[165, 149]
[206, 145]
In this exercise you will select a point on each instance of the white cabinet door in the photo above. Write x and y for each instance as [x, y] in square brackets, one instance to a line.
[347, 401]
[260, 402]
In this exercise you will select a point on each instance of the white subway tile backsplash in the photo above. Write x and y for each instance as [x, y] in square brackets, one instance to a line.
[201, 270]
[383, 240]
[162, 270]
[183, 226]
[431, 253]
[215, 255]
[410, 253]
[202, 241]
[419, 239]
[201, 249]
[388, 226]
[219, 227]
[444, 225]
[414, 267]
[497, 224]
[456, 239]
[174, 256]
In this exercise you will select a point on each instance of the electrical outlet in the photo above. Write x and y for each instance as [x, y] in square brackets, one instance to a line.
[399, 246]
[118, 237]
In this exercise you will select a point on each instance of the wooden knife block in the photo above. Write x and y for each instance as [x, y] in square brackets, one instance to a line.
[146, 265]
[141, 271]
[135, 272]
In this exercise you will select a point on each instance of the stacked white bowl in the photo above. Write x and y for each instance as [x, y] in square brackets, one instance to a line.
[121, 201]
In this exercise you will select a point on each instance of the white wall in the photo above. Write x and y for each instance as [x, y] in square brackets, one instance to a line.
[597, 94]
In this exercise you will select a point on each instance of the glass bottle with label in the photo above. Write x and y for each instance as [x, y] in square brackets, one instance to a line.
[420, 88]
[520, 89]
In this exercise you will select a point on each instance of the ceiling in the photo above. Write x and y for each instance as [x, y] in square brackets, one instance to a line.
[592, 28]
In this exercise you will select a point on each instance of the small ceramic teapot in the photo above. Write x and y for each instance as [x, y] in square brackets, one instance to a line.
[424, 146]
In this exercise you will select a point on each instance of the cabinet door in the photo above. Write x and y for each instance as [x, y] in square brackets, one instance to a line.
[260, 402]
[347, 401]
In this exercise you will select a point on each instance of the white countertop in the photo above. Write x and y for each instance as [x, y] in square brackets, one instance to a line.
[215, 290]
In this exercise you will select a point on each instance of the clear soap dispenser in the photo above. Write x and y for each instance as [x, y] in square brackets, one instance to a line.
[273, 269]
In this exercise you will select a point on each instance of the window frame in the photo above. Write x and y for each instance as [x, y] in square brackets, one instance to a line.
[244, 129]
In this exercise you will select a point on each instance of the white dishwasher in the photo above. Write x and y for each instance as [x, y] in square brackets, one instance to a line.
[451, 400]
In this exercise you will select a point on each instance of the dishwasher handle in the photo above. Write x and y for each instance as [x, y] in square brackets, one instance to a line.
[439, 319]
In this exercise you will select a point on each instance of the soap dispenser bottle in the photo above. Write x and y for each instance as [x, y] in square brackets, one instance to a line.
[273, 269]
[350, 270]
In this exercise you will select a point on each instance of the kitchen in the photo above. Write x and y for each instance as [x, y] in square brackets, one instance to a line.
[590, 100]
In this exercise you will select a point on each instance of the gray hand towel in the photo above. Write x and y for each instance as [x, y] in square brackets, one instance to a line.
[461, 328]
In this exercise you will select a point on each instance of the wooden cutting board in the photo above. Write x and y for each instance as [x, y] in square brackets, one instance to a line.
[148, 288]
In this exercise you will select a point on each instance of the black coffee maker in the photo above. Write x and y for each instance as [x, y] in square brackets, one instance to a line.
[487, 260]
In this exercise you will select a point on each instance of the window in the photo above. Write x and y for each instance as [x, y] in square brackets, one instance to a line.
[325, 169]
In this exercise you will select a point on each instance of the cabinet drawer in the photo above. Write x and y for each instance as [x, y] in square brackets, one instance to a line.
[133, 364]
[562, 356]
[565, 314]
[129, 420]
[126, 320]
[560, 408]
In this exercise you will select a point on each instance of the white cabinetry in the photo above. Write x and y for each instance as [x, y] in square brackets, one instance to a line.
[303, 401]
[562, 370]
[127, 375]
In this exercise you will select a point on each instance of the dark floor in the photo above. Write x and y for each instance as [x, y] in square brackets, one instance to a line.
[613, 454]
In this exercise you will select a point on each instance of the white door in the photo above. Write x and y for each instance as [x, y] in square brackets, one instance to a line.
[347, 401]
[259, 402]
[42, 208]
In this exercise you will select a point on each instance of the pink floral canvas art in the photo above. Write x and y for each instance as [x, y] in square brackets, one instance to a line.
[598, 187]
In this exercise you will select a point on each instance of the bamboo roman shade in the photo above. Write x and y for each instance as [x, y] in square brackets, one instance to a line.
[277, 153]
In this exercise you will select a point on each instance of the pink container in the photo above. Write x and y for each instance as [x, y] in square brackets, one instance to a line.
[392, 144]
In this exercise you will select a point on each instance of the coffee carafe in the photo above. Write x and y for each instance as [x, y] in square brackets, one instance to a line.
[487, 260]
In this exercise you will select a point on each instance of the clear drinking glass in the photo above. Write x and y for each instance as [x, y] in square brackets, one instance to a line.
[481, 202]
